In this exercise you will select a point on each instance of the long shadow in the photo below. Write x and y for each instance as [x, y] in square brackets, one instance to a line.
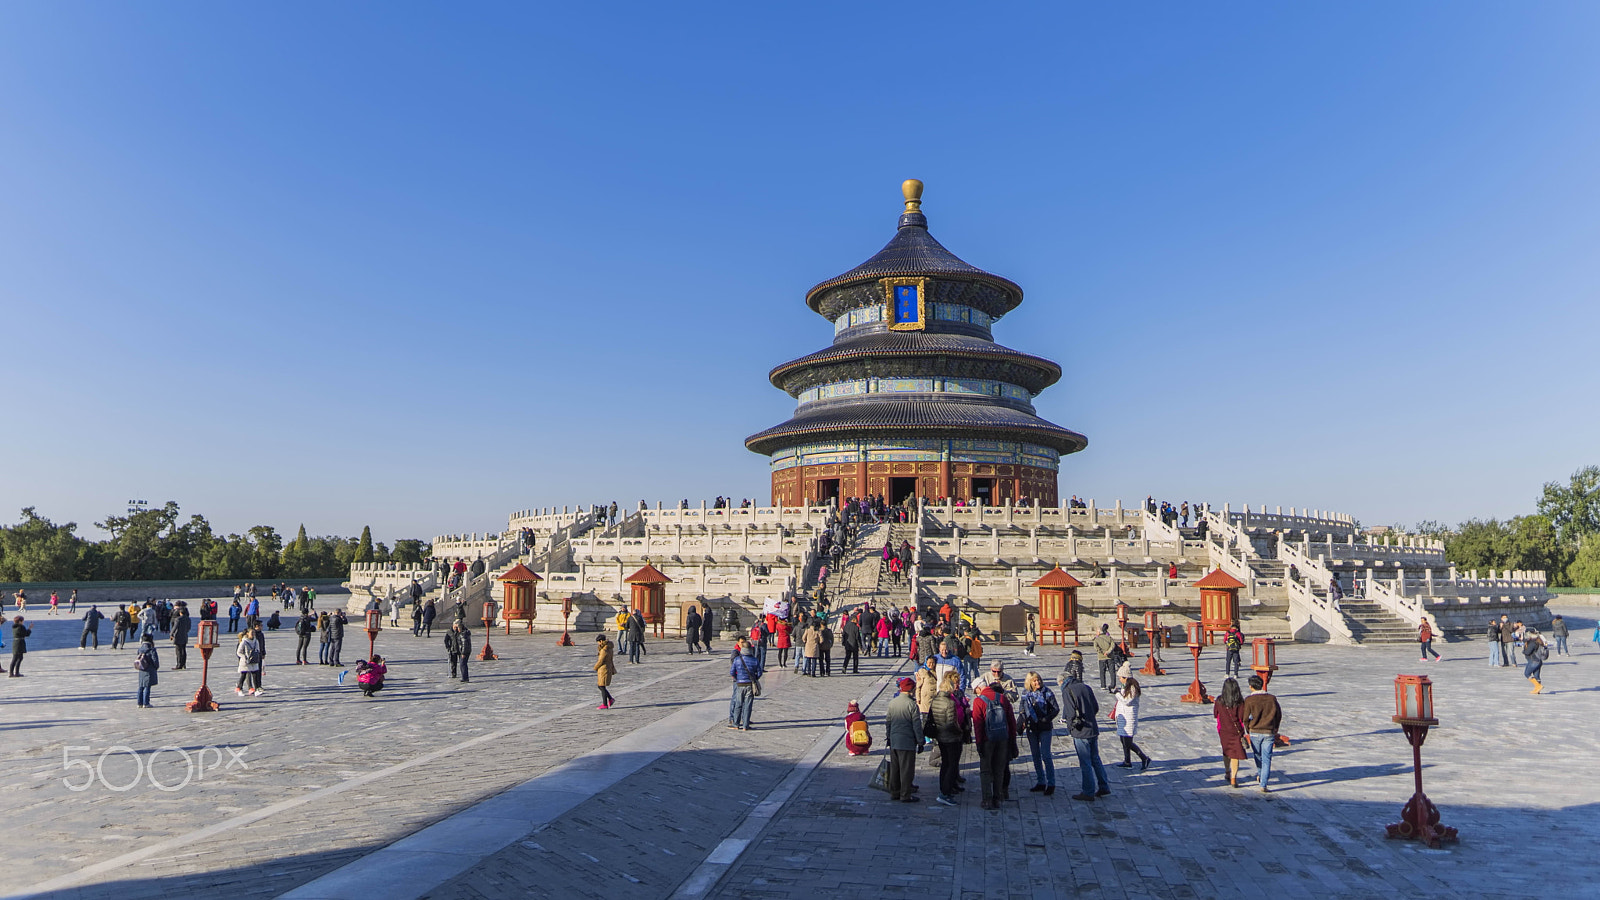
[43, 723]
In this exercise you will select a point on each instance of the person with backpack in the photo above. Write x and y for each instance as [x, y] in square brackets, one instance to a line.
[857, 736]
[995, 729]
[903, 723]
[1425, 640]
[1233, 643]
[1126, 712]
[146, 663]
[1534, 649]
[1039, 711]
[1078, 700]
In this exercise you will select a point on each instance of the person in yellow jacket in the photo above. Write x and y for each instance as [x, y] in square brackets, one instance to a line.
[621, 622]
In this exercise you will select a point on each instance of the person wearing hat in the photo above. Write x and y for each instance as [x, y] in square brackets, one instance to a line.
[998, 677]
[857, 738]
[605, 666]
[903, 722]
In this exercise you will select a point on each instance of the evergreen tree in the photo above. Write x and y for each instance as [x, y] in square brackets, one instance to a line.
[364, 552]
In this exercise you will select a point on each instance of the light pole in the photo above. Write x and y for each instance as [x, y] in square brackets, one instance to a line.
[205, 642]
[487, 652]
[1419, 819]
[1197, 691]
[374, 625]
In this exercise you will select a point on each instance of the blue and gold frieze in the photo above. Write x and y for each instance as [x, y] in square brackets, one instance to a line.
[917, 450]
[968, 386]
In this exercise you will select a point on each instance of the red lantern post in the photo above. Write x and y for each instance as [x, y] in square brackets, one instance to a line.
[205, 642]
[374, 625]
[566, 613]
[1122, 620]
[487, 653]
[1413, 705]
[1197, 691]
[1152, 627]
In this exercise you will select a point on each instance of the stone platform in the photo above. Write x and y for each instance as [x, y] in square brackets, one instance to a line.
[515, 786]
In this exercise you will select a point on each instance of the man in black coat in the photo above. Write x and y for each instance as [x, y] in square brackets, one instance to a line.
[180, 633]
[707, 628]
[850, 636]
[459, 643]
[691, 630]
[336, 637]
[91, 627]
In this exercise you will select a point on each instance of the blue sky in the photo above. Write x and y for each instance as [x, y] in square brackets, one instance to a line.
[418, 265]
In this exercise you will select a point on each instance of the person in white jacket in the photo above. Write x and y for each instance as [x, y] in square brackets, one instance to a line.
[1127, 716]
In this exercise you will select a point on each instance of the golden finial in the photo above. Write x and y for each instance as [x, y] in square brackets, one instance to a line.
[912, 188]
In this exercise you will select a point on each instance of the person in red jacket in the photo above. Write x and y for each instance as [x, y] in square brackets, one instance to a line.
[994, 725]
[782, 643]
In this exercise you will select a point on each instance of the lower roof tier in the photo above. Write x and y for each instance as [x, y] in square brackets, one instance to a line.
[922, 417]
[912, 354]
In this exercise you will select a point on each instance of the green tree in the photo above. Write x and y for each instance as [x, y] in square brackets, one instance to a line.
[266, 552]
[295, 559]
[1524, 542]
[408, 551]
[1584, 570]
[364, 552]
[229, 557]
[148, 544]
[37, 549]
[1574, 508]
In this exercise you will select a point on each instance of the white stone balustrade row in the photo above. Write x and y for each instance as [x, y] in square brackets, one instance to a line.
[814, 517]
[688, 583]
[982, 549]
[1091, 517]
[1318, 520]
[755, 546]
[1362, 553]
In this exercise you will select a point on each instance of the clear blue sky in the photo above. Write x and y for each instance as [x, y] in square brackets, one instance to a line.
[420, 265]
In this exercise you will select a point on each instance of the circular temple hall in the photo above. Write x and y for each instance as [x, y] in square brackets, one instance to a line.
[914, 399]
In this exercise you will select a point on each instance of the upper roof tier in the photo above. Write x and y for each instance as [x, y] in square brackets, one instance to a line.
[914, 252]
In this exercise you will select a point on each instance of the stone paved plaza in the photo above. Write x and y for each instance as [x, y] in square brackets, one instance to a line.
[515, 785]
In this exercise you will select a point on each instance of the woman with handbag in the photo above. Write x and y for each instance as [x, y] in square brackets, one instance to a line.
[1229, 712]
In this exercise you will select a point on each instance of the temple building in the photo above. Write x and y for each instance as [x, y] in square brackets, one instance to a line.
[914, 399]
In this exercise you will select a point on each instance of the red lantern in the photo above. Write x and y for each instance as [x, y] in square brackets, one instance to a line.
[1413, 700]
[1152, 629]
[1058, 604]
[1264, 658]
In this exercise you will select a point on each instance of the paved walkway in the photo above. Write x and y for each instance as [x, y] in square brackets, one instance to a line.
[665, 801]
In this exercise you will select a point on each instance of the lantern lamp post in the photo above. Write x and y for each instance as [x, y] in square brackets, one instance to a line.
[1152, 630]
[1264, 658]
[487, 652]
[374, 625]
[1413, 712]
[205, 642]
[1195, 638]
[1122, 620]
[566, 613]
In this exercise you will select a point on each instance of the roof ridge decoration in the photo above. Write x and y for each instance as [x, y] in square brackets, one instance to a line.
[913, 252]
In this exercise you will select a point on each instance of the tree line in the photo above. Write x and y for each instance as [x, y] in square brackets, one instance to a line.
[156, 544]
[1561, 538]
